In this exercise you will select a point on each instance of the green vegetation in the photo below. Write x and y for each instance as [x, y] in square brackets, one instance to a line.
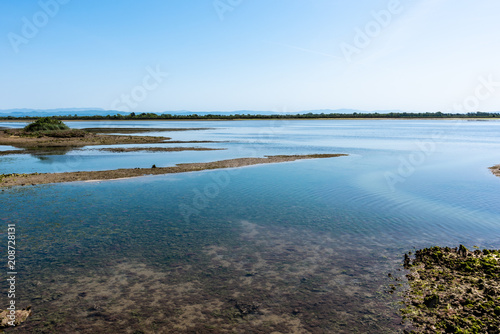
[47, 127]
[391, 115]
[46, 124]
[453, 290]
[14, 175]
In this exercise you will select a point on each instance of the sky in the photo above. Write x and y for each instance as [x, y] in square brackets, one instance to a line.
[262, 55]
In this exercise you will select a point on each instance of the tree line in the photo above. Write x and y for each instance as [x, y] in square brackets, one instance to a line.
[153, 116]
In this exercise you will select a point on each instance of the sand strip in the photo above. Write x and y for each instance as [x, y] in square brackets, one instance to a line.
[86, 140]
[139, 130]
[495, 170]
[157, 149]
[63, 150]
[7, 180]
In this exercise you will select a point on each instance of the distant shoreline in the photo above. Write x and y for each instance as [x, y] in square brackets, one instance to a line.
[474, 119]
[114, 115]
[9, 180]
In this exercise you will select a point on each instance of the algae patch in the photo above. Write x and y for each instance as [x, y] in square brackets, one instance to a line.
[453, 290]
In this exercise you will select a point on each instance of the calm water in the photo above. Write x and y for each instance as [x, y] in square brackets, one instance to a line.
[301, 247]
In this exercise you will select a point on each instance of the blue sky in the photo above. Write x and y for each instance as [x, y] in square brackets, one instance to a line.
[224, 55]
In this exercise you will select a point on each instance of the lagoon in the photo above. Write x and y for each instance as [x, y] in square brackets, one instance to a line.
[301, 247]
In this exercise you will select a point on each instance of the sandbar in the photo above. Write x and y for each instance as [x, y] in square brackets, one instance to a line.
[61, 142]
[140, 130]
[495, 170]
[8, 180]
[85, 139]
[157, 149]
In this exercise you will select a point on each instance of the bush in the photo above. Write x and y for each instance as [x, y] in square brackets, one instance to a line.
[46, 124]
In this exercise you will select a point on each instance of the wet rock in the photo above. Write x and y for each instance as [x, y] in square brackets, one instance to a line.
[20, 317]
[431, 301]
[462, 251]
[406, 262]
[244, 309]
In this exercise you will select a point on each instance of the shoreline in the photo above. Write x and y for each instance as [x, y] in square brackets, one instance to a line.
[264, 119]
[10, 180]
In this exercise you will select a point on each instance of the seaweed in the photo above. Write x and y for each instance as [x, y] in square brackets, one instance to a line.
[453, 290]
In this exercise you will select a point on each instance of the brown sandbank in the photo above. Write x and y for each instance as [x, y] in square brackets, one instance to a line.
[140, 130]
[195, 141]
[8, 180]
[157, 149]
[61, 142]
[64, 150]
[19, 140]
[52, 142]
[495, 170]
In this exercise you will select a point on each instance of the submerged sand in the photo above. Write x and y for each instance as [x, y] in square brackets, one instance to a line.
[8, 180]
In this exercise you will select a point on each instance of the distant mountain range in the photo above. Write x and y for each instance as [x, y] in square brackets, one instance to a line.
[102, 112]
[58, 112]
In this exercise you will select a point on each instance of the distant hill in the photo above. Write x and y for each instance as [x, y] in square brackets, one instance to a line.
[58, 112]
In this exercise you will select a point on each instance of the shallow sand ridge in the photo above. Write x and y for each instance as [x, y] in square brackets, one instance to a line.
[495, 170]
[8, 180]
[71, 138]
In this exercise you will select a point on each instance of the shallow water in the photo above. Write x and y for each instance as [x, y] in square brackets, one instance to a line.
[300, 247]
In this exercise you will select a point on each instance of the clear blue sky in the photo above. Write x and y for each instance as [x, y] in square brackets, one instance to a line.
[223, 55]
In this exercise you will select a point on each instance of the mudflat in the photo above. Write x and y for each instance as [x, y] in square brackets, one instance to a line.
[139, 130]
[79, 139]
[14, 179]
[495, 170]
[59, 142]
[157, 149]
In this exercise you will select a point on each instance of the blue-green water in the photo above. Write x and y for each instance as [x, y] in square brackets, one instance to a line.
[299, 247]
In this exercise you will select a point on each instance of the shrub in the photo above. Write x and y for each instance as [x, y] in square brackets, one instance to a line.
[46, 124]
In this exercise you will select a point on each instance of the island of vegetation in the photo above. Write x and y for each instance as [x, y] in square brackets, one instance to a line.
[453, 290]
[49, 135]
